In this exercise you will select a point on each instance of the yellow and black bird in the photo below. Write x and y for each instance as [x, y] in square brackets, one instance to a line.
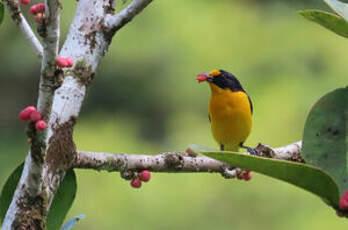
[230, 110]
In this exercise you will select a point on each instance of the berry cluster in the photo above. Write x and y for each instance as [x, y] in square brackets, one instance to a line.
[64, 62]
[144, 176]
[30, 113]
[244, 175]
[38, 10]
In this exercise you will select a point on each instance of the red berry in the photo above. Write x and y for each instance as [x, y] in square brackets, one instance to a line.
[70, 62]
[35, 116]
[25, 114]
[24, 2]
[136, 183]
[37, 8]
[344, 201]
[247, 175]
[145, 176]
[38, 17]
[201, 77]
[32, 10]
[40, 125]
[62, 62]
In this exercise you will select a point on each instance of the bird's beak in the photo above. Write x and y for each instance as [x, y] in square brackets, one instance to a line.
[204, 77]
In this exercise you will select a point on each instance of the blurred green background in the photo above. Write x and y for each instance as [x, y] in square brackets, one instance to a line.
[145, 100]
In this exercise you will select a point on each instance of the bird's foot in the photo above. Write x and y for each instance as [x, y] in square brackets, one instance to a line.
[252, 151]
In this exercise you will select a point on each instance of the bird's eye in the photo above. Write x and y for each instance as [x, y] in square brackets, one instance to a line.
[215, 73]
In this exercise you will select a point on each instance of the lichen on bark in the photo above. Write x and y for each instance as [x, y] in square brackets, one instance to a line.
[62, 149]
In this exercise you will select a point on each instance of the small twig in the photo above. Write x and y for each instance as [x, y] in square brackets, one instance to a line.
[115, 22]
[16, 15]
[172, 161]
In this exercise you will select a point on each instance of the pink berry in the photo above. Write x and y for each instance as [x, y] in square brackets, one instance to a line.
[145, 175]
[62, 62]
[24, 2]
[32, 10]
[344, 201]
[70, 62]
[25, 114]
[38, 17]
[136, 183]
[247, 175]
[35, 116]
[37, 8]
[40, 125]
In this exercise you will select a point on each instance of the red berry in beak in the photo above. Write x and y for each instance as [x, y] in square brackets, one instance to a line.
[201, 77]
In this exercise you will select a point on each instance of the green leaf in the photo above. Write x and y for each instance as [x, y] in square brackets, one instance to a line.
[71, 223]
[8, 190]
[61, 202]
[2, 12]
[339, 7]
[325, 136]
[330, 21]
[304, 176]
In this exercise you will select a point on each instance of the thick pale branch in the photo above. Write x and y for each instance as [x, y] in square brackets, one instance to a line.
[115, 22]
[173, 161]
[14, 10]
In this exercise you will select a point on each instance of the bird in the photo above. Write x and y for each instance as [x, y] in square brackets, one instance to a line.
[230, 110]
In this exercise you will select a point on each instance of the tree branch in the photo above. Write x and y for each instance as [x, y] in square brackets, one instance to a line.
[16, 15]
[173, 161]
[116, 22]
[50, 32]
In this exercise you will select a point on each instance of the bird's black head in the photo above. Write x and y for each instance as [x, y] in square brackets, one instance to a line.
[222, 79]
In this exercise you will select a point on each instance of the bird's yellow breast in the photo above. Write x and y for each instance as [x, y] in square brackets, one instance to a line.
[231, 117]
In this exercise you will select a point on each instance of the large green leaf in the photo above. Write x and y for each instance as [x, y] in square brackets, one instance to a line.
[302, 175]
[60, 205]
[325, 136]
[62, 201]
[8, 190]
[339, 7]
[330, 21]
[2, 12]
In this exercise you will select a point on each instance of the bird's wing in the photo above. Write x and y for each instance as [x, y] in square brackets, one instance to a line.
[251, 104]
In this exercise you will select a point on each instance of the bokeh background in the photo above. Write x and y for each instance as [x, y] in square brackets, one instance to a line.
[145, 100]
